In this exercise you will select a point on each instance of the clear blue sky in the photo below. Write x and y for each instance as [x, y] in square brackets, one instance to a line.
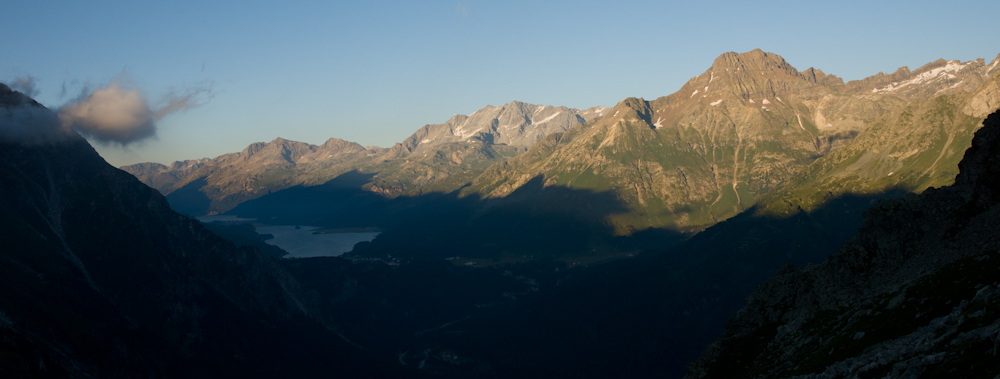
[374, 72]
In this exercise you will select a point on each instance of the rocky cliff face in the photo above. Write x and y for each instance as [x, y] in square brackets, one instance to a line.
[101, 278]
[914, 293]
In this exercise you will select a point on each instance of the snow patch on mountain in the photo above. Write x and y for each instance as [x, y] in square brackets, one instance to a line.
[937, 74]
[547, 119]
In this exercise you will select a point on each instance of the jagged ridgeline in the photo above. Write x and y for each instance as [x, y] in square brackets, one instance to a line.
[914, 294]
[750, 130]
[438, 157]
[743, 128]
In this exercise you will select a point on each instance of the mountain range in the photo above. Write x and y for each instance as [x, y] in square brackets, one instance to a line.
[437, 157]
[727, 138]
[534, 241]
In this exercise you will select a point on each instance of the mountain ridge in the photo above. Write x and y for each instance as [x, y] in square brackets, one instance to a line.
[768, 118]
[101, 278]
[437, 152]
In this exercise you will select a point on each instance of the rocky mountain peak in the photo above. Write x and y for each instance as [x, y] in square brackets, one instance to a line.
[633, 108]
[753, 74]
[816, 75]
[252, 149]
[755, 60]
[339, 145]
[10, 98]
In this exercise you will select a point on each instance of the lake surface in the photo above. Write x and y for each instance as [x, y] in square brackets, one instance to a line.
[302, 243]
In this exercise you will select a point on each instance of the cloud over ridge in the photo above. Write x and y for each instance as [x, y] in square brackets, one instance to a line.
[119, 114]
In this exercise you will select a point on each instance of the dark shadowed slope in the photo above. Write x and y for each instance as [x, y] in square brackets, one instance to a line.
[101, 279]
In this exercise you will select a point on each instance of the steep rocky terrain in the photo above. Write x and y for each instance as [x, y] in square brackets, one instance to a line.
[913, 294]
[914, 148]
[100, 278]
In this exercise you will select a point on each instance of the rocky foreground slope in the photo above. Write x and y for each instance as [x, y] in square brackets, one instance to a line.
[914, 294]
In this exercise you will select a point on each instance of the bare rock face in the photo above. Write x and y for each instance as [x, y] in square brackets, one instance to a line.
[987, 97]
[514, 124]
[910, 294]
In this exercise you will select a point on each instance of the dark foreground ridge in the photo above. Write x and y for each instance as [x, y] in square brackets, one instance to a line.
[914, 294]
[100, 278]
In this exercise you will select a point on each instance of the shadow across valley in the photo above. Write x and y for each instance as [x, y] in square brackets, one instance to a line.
[190, 200]
[533, 222]
[340, 202]
[645, 316]
[651, 315]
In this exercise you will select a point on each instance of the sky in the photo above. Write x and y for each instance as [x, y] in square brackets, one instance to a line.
[374, 72]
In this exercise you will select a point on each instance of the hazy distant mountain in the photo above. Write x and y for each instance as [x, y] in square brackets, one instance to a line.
[438, 157]
[262, 168]
[162, 177]
[514, 124]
